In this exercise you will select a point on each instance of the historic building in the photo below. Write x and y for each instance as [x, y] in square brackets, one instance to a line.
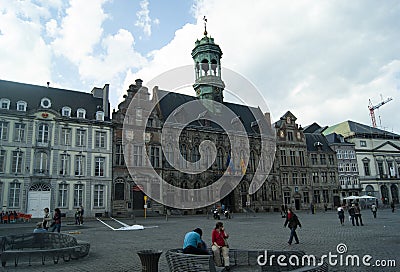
[323, 168]
[292, 163]
[55, 149]
[178, 166]
[347, 165]
[378, 158]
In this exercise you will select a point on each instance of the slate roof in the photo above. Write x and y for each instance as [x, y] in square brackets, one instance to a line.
[32, 95]
[354, 129]
[334, 138]
[313, 140]
[171, 101]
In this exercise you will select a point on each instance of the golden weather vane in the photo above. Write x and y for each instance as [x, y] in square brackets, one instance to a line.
[205, 25]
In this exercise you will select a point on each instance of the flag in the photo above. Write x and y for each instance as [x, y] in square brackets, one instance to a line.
[243, 166]
[230, 165]
[137, 188]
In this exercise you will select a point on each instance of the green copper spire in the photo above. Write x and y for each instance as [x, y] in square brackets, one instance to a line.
[207, 60]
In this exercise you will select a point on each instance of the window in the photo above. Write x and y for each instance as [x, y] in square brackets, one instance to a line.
[340, 167]
[304, 178]
[66, 112]
[119, 155]
[355, 180]
[315, 177]
[380, 169]
[285, 178]
[295, 178]
[292, 157]
[5, 104]
[306, 197]
[99, 116]
[81, 113]
[301, 155]
[207, 156]
[347, 167]
[43, 136]
[183, 159]
[41, 163]
[366, 168]
[66, 136]
[317, 197]
[273, 192]
[100, 141]
[63, 195]
[314, 159]
[79, 165]
[17, 162]
[45, 103]
[80, 137]
[283, 157]
[138, 117]
[352, 154]
[331, 159]
[253, 164]
[99, 166]
[290, 136]
[64, 165]
[196, 157]
[322, 159]
[21, 106]
[137, 155]
[363, 143]
[3, 131]
[169, 155]
[286, 196]
[325, 195]
[2, 161]
[98, 201]
[14, 195]
[332, 177]
[324, 177]
[339, 154]
[341, 180]
[19, 133]
[345, 154]
[264, 192]
[78, 195]
[155, 156]
[220, 159]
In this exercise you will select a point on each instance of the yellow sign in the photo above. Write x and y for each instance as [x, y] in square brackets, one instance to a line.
[145, 198]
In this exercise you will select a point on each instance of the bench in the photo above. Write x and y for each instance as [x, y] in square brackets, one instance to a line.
[47, 244]
[240, 260]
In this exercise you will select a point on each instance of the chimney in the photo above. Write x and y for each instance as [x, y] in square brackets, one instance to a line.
[48, 84]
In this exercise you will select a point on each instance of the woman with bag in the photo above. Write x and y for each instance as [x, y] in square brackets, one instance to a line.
[220, 245]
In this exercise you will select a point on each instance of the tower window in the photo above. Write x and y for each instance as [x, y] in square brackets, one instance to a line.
[214, 67]
[204, 67]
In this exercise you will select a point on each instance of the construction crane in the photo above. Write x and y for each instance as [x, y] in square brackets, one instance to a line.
[372, 109]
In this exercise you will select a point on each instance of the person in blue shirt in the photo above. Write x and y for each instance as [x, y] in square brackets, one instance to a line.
[193, 244]
[39, 228]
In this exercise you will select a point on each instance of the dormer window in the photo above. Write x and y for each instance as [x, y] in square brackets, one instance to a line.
[81, 113]
[66, 112]
[21, 106]
[5, 103]
[45, 103]
[100, 116]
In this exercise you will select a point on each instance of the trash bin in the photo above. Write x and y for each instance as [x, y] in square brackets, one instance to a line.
[149, 259]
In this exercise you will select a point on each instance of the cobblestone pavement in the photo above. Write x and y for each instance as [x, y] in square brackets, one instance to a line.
[321, 233]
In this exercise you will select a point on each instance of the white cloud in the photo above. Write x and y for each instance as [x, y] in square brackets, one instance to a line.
[143, 18]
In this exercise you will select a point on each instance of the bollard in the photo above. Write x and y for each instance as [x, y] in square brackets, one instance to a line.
[149, 260]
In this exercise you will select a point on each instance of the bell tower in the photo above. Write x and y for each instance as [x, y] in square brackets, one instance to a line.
[207, 64]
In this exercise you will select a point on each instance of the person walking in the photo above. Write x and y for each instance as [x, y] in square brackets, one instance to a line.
[77, 216]
[357, 215]
[46, 219]
[341, 215]
[219, 245]
[292, 221]
[374, 209]
[392, 206]
[193, 244]
[82, 211]
[56, 225]
[352, 213]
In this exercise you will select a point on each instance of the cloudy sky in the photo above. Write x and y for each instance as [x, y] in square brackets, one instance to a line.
[322, 60]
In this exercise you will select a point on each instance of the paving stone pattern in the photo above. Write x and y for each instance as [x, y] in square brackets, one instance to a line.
[321, 233]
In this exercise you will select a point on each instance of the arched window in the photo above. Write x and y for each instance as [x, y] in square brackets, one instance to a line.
[214, 67]
[395, 193]
[81, 113]
[220, 159]
[385, 194]
[66, 112]
[21, 106]
[196, 157]
[184, 159]
[4, 104]
[204, 67]
[273, 191]
[41, 163]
